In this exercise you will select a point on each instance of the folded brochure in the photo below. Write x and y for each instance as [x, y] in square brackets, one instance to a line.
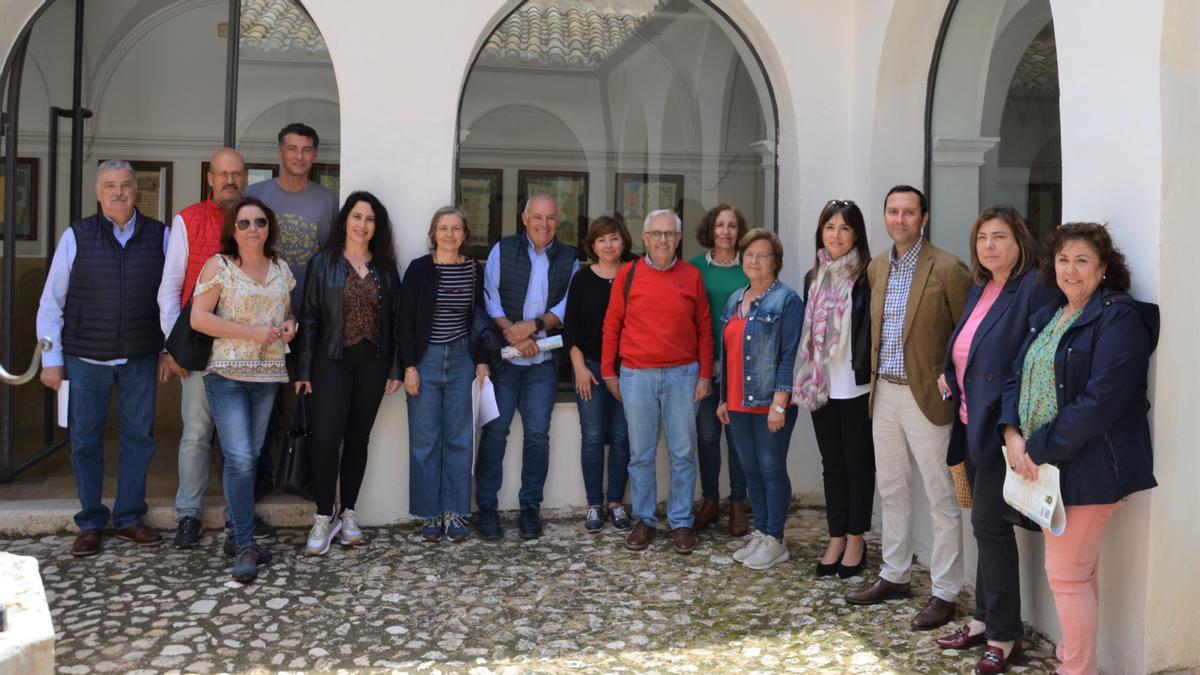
[1040, 500]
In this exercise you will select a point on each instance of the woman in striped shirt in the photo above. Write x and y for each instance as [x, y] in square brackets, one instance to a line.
[438, 298]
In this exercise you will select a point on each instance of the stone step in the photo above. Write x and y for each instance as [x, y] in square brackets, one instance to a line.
[29, 517]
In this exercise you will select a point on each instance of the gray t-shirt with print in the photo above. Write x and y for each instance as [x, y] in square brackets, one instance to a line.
[305, 221]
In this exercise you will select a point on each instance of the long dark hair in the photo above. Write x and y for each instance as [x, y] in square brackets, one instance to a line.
[854, 218]
[229, 245]
[383, 252]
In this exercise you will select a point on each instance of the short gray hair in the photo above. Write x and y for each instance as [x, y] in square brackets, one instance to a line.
[113, 165]
[661, 212]
[538, 196]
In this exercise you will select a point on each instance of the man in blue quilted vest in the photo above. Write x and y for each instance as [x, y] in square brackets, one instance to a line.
[525, 294]
[100, 309]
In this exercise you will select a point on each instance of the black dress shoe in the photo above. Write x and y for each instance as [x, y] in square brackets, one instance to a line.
[831, 569]
[847, 571]
[530, 523]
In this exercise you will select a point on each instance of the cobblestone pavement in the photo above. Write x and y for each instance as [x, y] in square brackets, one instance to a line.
[568, 602]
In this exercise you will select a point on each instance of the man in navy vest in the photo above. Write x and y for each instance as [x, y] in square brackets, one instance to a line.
[525, 293]
[100, 309]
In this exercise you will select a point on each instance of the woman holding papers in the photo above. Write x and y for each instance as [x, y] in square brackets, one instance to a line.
[601, 416]
[1077, 399]
[347, 360]
[989, 333]
[437, 304]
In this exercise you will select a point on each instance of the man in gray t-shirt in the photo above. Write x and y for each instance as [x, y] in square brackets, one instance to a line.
[305, 210]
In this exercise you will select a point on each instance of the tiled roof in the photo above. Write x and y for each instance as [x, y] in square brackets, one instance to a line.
[571, 34]
[278, 26]
[1037, 72]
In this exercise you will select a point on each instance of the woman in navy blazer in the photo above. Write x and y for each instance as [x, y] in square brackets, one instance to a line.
[982, 347]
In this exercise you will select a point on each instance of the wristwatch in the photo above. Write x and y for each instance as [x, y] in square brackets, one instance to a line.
[778, 408]
[539, 324]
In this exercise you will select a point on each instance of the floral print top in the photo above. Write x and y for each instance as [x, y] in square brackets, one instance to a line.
[1039, 399]
[245, 301]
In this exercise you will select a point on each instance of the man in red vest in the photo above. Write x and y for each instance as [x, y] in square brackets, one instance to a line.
[196, 237]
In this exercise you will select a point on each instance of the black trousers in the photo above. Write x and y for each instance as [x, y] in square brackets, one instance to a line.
[843, 431]
[345, 397]
[997, 575]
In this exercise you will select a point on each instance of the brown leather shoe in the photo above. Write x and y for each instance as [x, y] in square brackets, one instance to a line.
[961, 639]
[86, 543]
[739, 524]
[684, 539]
[937, 613]
[710, 509]
[877, 592]
[993, 659]
[640, 538]
[140, 535]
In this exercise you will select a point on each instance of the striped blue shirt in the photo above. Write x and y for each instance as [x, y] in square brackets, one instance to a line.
[895, 302]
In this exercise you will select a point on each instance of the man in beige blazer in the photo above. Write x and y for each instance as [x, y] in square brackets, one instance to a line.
[917, 294]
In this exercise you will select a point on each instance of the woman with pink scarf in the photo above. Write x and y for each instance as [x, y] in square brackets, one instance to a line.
[833, 375]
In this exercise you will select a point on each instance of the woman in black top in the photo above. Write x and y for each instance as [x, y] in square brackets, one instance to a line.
[347, 359]
[437, 302]
[601, 417]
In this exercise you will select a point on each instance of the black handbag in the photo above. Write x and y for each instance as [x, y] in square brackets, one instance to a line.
[293, 474]
[189, 347]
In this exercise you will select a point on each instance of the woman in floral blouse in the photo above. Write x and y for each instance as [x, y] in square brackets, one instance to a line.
[1078, 400]
[243, 300]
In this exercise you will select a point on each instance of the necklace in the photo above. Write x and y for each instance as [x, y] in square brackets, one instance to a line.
[358, 263]
[717, 263]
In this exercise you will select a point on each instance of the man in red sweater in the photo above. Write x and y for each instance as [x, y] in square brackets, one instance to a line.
[661, 330]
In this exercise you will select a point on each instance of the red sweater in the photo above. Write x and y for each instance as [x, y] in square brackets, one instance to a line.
[666, 323]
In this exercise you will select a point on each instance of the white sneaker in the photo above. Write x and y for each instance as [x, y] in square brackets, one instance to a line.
[748, 548]
[768, 554]
[320, 537]
[350, 535]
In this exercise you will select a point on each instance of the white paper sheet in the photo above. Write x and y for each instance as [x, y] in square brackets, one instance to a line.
[1040, 501]
[483, 409]
[64, 393]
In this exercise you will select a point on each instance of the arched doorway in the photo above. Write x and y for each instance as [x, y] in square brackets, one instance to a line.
[993, 125]
[162, 85]
[649, 104]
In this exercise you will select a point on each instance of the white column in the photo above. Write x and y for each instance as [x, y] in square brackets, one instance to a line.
[954, 189]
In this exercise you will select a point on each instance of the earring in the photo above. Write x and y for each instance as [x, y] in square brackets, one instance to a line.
[1103, 277]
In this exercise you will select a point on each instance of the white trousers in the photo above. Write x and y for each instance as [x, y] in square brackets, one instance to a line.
[900, 429]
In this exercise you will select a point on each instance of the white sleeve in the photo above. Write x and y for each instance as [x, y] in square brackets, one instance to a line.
[170, 289]
[54, 297]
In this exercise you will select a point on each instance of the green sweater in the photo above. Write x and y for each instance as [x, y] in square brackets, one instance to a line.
[719, 284]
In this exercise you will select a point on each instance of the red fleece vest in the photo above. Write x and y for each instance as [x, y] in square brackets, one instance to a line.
[203, 221]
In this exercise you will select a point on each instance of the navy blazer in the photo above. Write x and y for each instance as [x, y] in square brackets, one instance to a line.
[989, 360]
[1100, 438]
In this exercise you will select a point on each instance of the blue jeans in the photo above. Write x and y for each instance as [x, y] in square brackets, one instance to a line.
[87, 416]
[764, 457]
[241, 412]
[529, 389]
[601, 421]
[440, 433]
[708, 433]
[665, 396]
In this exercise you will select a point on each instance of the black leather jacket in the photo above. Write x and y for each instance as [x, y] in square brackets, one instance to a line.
[321, 313]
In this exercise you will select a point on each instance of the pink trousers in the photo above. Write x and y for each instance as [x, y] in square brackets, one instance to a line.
[1072, 561]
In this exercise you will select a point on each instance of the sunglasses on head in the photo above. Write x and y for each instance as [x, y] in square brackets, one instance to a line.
[244, 223]
[840, 202]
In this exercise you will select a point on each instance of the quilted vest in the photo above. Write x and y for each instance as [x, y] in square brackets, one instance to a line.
[515, 267]
[203, 222]
[111, 310]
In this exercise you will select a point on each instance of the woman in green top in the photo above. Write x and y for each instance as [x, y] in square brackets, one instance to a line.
[719, 232]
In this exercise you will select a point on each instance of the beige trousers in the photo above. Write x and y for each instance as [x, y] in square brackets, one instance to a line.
[900, 429]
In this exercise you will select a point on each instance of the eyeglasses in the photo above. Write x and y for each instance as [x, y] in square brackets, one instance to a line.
[755, 257]
[244, 223]
[228, 175]
[839, 202]
[659, 235]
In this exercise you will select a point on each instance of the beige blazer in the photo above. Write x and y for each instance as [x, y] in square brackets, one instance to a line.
[935, 301]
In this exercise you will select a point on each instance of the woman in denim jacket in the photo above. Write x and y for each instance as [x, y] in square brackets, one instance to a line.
[761, 330]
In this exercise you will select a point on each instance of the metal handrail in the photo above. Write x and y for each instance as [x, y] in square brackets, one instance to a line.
[43, 345]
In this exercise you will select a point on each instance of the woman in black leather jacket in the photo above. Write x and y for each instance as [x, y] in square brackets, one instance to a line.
[348, 359]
